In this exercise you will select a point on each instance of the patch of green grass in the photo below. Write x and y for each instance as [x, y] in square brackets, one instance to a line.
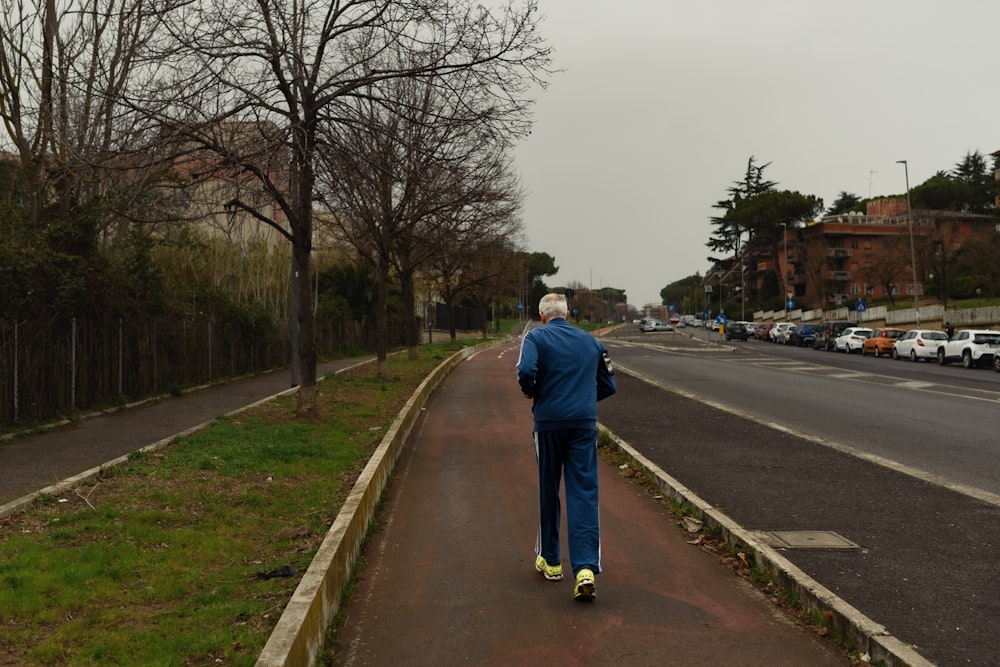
[156, 562]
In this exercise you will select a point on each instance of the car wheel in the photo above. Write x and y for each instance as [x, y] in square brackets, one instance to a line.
[895, 354]
[877, 353]
[913, 355]
[967, 361]
[996, 362]
[942, 360]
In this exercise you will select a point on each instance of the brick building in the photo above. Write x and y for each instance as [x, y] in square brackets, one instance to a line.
[846, 257]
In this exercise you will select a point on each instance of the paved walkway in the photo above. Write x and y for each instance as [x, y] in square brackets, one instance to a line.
[449, 577]
[32, 463]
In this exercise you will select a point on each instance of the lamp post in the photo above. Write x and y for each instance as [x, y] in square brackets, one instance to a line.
[913, 252]
[784, 272]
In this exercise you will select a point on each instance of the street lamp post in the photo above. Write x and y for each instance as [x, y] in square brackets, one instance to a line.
[913, 252]
[784, 272]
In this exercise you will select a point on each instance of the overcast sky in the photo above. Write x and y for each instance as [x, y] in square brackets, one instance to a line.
[662, 103]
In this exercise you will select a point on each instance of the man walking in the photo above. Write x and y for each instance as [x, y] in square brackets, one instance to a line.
[566, 371]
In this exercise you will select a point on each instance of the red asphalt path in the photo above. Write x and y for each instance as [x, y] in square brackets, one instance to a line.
[449, 574]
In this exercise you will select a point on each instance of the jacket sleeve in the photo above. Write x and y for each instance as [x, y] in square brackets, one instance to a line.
[527, 366]
[605, 376]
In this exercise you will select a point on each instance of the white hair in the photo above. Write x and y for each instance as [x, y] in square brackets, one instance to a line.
[553, 305]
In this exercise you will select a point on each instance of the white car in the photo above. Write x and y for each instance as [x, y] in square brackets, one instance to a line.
[973, 347]
[918, 344]
[778, 333]
[851, 339]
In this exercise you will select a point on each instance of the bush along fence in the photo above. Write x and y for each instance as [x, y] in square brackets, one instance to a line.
[57, 368]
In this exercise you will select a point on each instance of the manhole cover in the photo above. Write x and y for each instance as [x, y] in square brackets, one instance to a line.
[807, 539]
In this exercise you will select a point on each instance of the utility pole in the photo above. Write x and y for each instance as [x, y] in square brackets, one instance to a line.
[913, 252]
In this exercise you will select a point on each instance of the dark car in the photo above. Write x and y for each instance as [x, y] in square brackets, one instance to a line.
[827, 331]
[804, 334]
[737, 331]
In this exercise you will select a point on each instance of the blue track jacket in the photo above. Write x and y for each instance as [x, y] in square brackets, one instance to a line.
[566, 371]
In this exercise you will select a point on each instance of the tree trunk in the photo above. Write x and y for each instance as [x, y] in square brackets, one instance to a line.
[382, 317]
[411, 330]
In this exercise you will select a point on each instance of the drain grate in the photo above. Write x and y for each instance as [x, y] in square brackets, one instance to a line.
[807, 539]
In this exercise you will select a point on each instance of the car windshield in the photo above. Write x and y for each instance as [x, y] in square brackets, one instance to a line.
[892, 334]
[935, 335]
[987, 338]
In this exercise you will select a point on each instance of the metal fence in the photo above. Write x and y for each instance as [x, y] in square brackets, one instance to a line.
[57, 368]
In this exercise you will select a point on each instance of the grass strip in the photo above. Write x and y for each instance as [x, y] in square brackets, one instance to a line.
[188, 555]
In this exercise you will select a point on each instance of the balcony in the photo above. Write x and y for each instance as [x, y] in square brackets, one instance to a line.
[838, 252]
[839, 276]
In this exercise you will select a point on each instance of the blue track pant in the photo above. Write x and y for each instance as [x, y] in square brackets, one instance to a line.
[571, 453]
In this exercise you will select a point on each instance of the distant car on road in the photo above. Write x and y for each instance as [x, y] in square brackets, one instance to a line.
[918, 344]
[851, 339]
[737, 331]
[651, 325]
[828, 332]
[881, 341]
[779, 332]
[804, 334]
[973, 347]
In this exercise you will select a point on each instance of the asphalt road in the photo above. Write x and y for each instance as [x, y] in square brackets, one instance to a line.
[935, 421]
[926, 564]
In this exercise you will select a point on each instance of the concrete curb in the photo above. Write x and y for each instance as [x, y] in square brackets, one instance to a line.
[858, 631]
[298, 636]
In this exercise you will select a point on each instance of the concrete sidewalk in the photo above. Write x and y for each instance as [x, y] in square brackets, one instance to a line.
[449, 574]
[50, 459]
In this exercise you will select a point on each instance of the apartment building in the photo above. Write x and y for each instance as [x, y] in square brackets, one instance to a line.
[873, 255]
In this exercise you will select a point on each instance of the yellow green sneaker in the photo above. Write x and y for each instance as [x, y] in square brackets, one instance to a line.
[550, 572]
[584, 589]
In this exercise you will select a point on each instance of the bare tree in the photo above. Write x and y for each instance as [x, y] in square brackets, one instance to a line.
[64, 70]
[414, 176]
[292, 64]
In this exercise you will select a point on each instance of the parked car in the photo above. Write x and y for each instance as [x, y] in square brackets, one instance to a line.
[752, 329]
[973, 347]
[737, 331]
[918, 344]
[777, 332]
[804, 334]
[881, 341]
[851, 339]
[762, 330]
[784, 334]
[649, 326]
[828, 332]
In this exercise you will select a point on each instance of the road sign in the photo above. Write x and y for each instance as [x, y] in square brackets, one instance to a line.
[861, 306]
[675, 319]
[721, 318]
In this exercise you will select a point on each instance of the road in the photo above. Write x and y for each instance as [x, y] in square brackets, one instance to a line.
[930, 420]
[896, 457]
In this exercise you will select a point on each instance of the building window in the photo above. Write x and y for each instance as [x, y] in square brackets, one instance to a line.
[855, 289]
[854, 244]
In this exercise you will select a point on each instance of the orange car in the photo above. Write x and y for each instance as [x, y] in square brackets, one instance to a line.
[881, 341]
